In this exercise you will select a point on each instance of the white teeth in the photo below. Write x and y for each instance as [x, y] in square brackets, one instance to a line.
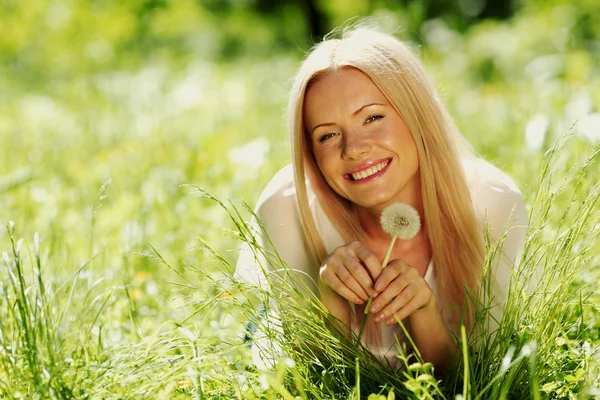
[368, 172]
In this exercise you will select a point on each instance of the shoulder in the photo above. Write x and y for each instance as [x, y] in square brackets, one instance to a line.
[281, 183]
[279, 196]
[496, 198]
[500, 208]
[278, 212]
[277, 207]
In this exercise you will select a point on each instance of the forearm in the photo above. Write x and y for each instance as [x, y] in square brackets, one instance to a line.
[337, 306]
[432, 337]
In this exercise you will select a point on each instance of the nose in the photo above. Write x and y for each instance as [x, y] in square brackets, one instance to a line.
[354, 146]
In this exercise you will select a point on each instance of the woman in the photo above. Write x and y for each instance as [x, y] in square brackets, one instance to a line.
[368, 129]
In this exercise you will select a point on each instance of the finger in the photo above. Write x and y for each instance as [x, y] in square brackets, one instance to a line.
[369, 260]
[394, 289]
[359, 272]
[393, 270]
[416, 303]
[330, 276]
[338, 286]
[349, 281]
[403, 298]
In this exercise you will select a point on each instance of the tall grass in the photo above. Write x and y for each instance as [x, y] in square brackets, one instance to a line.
[32, 331]
[52, 347]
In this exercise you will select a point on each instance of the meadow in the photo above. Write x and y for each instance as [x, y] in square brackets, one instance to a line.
[114, 277]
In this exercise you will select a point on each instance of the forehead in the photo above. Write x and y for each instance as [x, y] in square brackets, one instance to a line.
[342, 91]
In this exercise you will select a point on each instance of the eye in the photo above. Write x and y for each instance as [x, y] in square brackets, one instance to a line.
[373, 118]
[327, 136]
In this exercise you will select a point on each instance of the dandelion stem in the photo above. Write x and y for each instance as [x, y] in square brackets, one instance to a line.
[362, 326]
[385, 261]
[389, 252]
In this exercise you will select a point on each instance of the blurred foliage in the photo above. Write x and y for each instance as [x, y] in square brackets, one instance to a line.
[46, 39]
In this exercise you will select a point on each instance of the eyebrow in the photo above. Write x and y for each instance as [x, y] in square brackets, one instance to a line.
[353, 114]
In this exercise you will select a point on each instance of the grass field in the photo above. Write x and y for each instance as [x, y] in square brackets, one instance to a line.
[107, 289]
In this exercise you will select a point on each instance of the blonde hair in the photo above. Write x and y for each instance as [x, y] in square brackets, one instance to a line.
[453, 231]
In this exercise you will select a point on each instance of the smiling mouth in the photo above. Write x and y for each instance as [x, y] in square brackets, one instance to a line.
[369, 172]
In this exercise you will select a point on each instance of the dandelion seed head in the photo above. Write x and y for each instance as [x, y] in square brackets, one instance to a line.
[401, 220]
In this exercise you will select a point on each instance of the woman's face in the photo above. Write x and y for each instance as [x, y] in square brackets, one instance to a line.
[361, 145]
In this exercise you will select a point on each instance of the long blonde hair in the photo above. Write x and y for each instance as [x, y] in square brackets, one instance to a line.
[453, 231]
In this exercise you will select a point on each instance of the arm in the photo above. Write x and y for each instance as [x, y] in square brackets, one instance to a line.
[404, 294]
[410, 297]
[346, 277]
[277, 211]
[432, 337]
[337, 306]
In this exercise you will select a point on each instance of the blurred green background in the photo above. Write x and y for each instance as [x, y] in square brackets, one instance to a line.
[107, 107]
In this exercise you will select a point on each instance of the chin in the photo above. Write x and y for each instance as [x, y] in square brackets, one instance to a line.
[372, 203]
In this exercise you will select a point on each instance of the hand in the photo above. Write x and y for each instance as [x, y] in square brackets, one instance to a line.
[401, 291]
[350, 270]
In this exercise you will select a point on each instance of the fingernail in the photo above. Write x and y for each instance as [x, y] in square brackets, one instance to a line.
[378, 286]
[359, 301]
[380, 317]
[375, 294]
[389, 321]
[374, 307]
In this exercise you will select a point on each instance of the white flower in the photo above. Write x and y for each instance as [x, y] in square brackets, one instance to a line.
[401, 220]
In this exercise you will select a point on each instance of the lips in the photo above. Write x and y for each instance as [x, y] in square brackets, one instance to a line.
[368, 171]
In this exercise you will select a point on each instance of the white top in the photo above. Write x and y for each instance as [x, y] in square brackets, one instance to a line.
[496, 200]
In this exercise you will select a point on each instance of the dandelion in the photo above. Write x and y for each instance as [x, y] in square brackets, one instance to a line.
[400, 221]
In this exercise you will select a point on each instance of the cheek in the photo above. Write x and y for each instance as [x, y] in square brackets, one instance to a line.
[329, 172]
[324, 161]
[406, 146]
[325, 168]
[414, 152]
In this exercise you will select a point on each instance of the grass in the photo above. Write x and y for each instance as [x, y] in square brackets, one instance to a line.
[57, 344]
